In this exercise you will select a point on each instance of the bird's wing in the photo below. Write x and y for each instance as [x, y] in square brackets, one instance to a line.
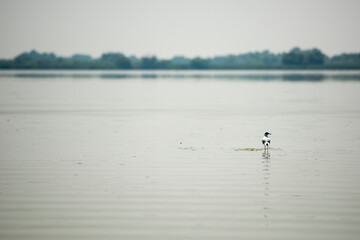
[263, 141]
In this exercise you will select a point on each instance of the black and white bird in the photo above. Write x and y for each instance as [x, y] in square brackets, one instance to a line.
[266, 140]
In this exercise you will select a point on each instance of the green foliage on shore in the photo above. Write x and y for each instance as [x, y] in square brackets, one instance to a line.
[294, 59]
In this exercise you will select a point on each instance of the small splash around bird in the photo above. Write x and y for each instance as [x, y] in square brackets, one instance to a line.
[266, 140]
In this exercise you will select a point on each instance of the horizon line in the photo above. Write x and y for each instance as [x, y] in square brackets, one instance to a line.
[176, 55]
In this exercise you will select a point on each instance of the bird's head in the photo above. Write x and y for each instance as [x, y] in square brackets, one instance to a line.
[267, 134]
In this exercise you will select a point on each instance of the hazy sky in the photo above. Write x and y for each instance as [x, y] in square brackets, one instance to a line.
[177, 27]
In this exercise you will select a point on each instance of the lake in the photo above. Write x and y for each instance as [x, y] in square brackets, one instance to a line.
[164, 155]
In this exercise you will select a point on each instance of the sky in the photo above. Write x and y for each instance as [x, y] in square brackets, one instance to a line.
[168, 28]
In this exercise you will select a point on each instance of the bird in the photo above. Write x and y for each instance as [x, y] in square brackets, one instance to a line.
[266, 140]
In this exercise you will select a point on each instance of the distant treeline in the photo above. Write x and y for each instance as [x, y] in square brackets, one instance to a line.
[294, 59]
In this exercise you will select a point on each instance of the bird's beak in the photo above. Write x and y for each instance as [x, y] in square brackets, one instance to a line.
[269, 133]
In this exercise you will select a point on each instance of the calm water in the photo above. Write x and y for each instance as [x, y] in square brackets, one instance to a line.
[152, 155]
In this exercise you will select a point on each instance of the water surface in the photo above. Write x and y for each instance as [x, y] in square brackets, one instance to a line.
[155, 155]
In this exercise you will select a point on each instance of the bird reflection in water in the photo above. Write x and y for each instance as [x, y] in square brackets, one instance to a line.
[266, 155]
[266, 169]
